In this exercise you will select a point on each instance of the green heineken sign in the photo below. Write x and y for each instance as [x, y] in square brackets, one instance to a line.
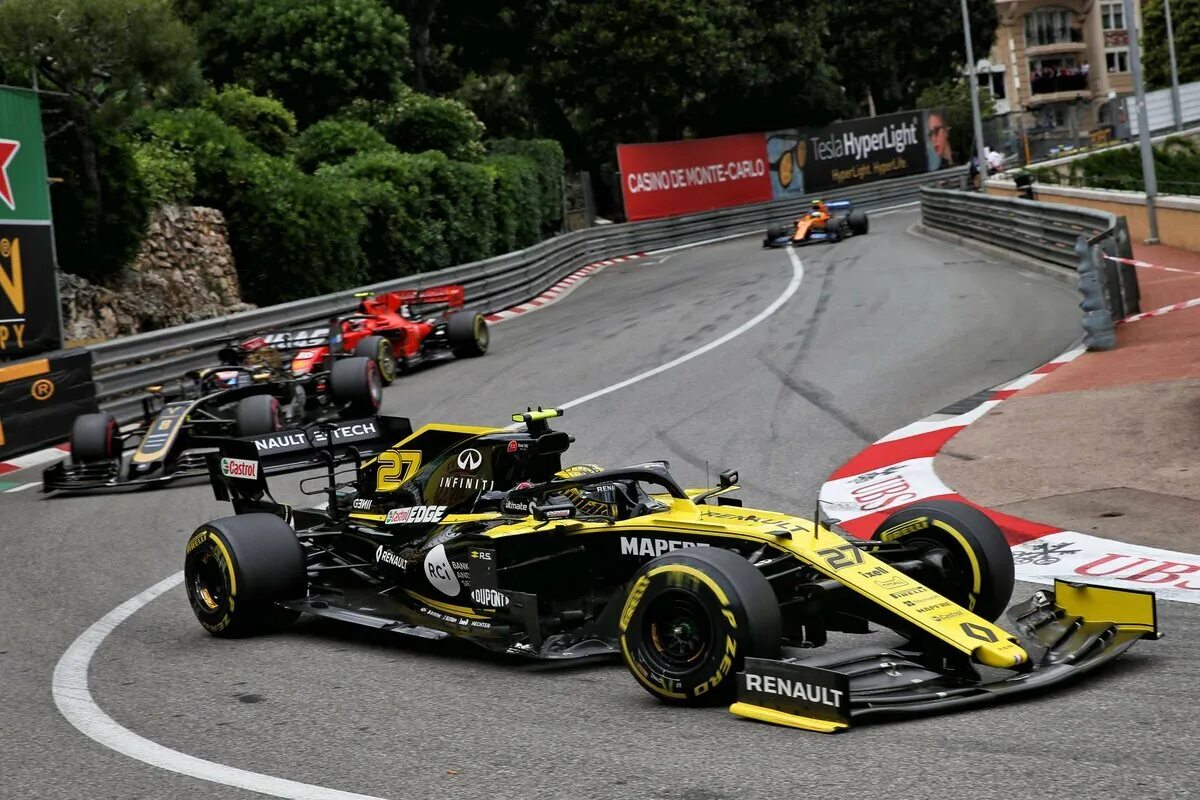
[29, 313]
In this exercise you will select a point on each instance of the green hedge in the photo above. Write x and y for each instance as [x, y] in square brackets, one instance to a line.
[368, 213]
[296, 235]
[293, 235]
[547, 155]
[405, 234]
[264, 121]
[518, 201]
[332, 141]
[1176, 165]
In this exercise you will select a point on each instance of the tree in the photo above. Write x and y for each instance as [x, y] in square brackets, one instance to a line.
[419, 122]
[887, 52]
[263, 120]
[316, 56]
[108, 58]
[1185, 19]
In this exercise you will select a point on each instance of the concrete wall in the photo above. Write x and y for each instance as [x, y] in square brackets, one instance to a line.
[1178, 217]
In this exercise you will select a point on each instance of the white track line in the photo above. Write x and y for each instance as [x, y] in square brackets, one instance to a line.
[75, 702]
[793, 285]
[23, 487]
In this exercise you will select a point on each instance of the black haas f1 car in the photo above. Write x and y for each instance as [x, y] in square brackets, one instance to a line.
[183, 422]
[480, 534]
[400, 330]
[825, 222]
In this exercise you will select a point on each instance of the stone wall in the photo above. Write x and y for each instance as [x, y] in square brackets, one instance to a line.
[184, 272]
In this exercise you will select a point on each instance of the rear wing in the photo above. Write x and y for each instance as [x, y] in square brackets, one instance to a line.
[840, 205]
[239, 468]
[433, 298]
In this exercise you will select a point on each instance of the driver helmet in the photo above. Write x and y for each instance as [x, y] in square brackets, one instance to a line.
[221, 379]
[818, 206]
[597, 500]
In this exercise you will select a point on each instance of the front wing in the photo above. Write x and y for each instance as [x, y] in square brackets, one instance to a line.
[788, 241]
[107, 475]
[1068, 632]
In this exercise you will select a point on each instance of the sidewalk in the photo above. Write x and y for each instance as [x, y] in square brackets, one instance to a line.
[1108, 444]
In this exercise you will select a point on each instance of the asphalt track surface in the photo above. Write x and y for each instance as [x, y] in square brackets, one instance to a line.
[882, 331]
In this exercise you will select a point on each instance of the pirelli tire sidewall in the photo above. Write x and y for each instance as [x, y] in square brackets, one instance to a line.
[741, 611]
[237, 568]
[976, 544]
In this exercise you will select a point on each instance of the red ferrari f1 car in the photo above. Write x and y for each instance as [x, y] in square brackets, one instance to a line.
[399, 330]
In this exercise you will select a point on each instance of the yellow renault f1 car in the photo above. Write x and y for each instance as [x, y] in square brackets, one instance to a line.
[481, 534]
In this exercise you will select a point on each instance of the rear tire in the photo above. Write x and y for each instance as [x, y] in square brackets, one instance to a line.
[357, 384]
[94, 437]
[981, 574]
[691, 618]
[236, 569]
[257, 414]
[467, 334]
[380, 349]
[859, 224]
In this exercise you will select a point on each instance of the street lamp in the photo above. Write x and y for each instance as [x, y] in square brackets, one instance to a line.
[1139, 88]
[980, 153]
[1174, 68]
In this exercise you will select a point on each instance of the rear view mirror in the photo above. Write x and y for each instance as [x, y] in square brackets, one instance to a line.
[553, 443]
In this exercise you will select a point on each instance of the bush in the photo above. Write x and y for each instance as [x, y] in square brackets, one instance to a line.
[547, 156]
[1176, 164]
[403, 235]
[166, 174]
[94, 240]
[264, 121]
[217, 153]
[332, 141]
[418, 123]
[295, 235]
[518, 202]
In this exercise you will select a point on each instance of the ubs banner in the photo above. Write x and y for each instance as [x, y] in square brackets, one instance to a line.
[40, 398]
[29, 314]
[671, 178]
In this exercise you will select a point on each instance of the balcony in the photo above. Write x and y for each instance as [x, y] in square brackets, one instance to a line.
[1064, 85]
[1054, 48]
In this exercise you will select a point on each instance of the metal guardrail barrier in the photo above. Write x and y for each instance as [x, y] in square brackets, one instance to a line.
[125, 366]
[1045, 231]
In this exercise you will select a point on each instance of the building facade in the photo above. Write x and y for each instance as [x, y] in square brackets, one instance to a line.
[1056, 71]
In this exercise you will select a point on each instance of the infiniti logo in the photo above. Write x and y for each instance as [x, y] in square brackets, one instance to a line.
[469, 460]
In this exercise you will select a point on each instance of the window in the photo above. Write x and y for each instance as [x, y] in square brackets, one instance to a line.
[1051, 26]
[1112, 16]
[1118, 60]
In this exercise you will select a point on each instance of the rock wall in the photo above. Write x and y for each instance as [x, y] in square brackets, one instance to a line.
[184, 272]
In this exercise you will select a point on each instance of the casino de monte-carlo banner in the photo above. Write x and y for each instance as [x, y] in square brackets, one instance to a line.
[672, 178]
[29, 313]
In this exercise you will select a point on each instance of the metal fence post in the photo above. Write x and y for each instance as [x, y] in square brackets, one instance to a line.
[1098, 330]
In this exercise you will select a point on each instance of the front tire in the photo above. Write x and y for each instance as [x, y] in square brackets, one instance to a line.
[380, 349]
[257, 414]
[690, 620]
[859, 224]
[979, 573]
[356, 383]
[94, 437]
[236, 569]
[467, 334]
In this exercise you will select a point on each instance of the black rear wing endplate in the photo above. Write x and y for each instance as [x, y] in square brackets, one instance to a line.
[239, 468]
